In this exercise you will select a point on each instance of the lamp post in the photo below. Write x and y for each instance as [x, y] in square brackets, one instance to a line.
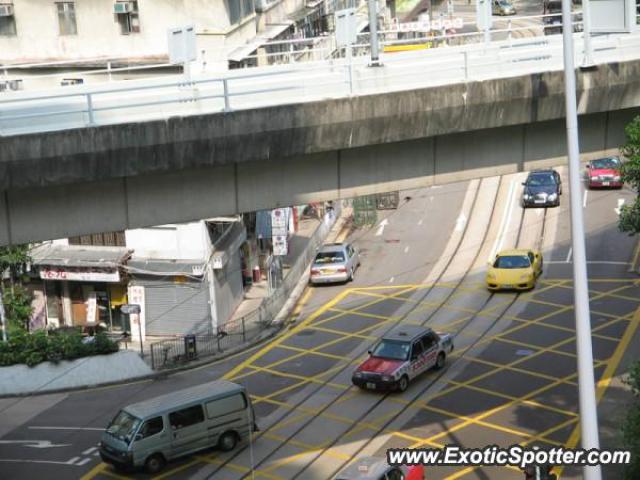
[373, 32]
[586, 384]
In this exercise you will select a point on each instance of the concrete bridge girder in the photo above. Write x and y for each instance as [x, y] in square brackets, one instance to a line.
[126, 176]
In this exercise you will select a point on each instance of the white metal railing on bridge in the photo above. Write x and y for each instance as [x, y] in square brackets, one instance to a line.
[151, 99]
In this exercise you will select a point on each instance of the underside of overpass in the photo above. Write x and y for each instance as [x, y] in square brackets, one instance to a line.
[118, 177]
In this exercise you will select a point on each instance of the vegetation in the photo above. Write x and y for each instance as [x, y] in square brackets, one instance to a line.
[55, 345]
[631, 426]
[629, 221]
[17, 299]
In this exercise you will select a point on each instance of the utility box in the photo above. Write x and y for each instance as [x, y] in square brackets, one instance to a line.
[612, 16]
[182, 45]
[345, 21]
[190, 350]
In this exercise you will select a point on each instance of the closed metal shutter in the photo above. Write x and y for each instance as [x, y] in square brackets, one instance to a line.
[176, 308]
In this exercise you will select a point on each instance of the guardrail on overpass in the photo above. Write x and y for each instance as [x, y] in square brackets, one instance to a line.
[152, 99]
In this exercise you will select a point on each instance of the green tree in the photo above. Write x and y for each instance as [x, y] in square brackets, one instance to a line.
[631, 426]
[16, 300]
[629, 220]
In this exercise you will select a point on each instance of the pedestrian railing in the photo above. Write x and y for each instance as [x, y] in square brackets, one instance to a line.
[153, 99]
[176, 351]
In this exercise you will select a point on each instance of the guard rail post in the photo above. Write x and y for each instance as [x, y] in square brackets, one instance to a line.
[465, 56]
[90, 110]
[225, 87]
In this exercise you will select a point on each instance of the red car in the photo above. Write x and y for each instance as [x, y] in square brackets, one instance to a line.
[604, 172]
[404, 352]
[372, 468]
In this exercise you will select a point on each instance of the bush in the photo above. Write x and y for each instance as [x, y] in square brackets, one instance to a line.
[631, 426]
[55, 345]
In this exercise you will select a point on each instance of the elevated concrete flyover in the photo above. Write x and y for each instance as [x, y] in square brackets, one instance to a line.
[114, 177]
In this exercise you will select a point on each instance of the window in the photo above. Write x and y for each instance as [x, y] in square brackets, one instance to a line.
[416, 350]
[239, 9]
[128, 17]
[111, 239]
[186, 417]
[392, 350]
[151, 427]
[123, 426]
[7, 20]
[227, 405]
[67, 18]
[429, 340]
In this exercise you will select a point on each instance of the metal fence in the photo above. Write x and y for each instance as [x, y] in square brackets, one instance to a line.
[148, 99]
[176, 351]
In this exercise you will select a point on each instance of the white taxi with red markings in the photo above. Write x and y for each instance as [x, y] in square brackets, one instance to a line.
[404, 352]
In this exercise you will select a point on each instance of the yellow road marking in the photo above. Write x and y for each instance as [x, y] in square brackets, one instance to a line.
[609, 373]
[311, 352]
[301, 303]
[244, 364]
[94, 472]
[340, 332]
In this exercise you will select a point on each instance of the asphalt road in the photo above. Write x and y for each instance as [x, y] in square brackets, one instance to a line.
[511, 379]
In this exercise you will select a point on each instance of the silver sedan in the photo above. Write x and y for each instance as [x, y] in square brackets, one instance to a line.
[335, 262]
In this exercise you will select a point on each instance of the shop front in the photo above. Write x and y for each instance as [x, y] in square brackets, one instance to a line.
[81, 285]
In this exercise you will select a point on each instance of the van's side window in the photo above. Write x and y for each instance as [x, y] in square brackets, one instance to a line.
[226, 405]
[151, 427]
[186, 417]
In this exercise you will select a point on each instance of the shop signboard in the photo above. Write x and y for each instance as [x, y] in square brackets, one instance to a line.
[92, 307]
[80, 274]
[136, 297]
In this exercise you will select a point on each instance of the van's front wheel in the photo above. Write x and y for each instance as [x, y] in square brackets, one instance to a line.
[154, 463]
[228, 441]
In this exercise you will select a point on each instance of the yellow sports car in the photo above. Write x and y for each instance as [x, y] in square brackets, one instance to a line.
[514, 270]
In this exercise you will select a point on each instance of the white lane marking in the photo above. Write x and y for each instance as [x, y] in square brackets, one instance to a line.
[420, 222]
[15, 460]
[569, 255]
[35, 443]
[67, 428]
[503, 223]
[461, 222]
[89, 450]
[391, 279]
[383, 224]
[436, 186]
[83, 461]
[406, 249]
[584, 199]
[620, 204]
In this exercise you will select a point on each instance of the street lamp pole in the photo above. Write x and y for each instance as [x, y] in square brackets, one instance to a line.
[373, 32]
[586, 384]
[587, 59]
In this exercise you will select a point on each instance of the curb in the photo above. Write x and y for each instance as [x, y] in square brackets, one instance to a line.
[159, 374]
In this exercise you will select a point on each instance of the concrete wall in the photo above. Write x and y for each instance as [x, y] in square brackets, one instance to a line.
[179, 242]
[99, 34]
[183, 169]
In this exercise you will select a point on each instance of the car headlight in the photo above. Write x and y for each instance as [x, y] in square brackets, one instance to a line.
[357, 374]
[595, 177]
[526, 196]
[525, 276]
[553, 196]
[387, 378]
[616, 179]
[491, 276]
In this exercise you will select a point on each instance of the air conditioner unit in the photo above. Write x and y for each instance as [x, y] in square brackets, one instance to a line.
[6, 10]
[120, 8]
[15, 84]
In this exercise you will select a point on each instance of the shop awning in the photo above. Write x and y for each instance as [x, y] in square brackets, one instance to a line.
[79, 263]
[79, 256]
[271, 32]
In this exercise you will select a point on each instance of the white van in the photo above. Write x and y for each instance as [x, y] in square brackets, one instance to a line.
[150, 433]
